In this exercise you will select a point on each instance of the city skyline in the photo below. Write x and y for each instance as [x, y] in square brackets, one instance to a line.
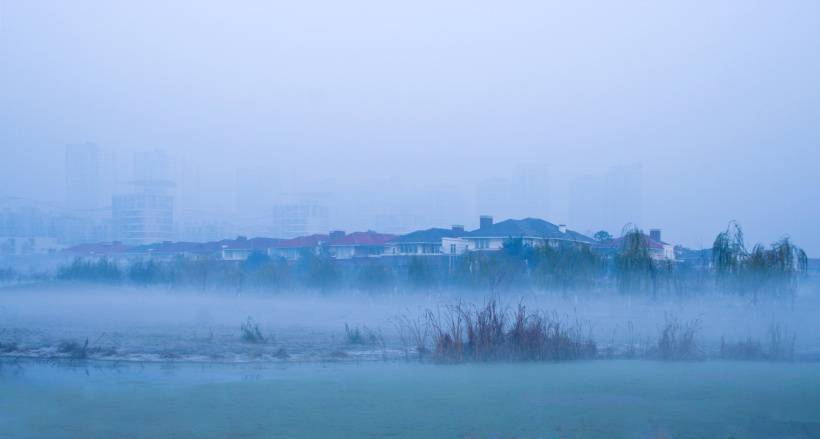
[391, 100]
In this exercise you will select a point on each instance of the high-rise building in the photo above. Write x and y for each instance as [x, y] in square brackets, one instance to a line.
[587, 204]
[530, 191]
[151, 166]
[143, 217]
[624, 188]
[300, 214]
[494, 195]
[607, 202]
[82, 177]
[145, 214]
[525, 194]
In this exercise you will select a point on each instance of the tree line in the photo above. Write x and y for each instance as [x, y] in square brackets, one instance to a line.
[565, 267]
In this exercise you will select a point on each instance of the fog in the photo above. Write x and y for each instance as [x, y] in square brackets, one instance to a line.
[641, 149]
[158, 324]
[376, 104]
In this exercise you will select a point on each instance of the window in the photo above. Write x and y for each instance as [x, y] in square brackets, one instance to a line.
[452, 249]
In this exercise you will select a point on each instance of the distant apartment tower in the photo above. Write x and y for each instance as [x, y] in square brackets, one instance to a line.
[624, 186]
[525, 194]
[143, 217]
[530, 191]
[145, 214]
[301, 214]
[151, 166]
[609, 201]
[82, 177]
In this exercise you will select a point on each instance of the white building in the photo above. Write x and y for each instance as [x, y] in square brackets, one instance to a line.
[301, 214]
[532, 232]
[82, 177]
[143, 217]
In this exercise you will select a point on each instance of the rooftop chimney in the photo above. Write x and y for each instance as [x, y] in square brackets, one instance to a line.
[457, 228]
[562, 228]
[655, 234]
[336, 234]
[485, 221]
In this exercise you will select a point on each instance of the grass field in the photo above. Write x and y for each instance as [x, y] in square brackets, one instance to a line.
[629, 399]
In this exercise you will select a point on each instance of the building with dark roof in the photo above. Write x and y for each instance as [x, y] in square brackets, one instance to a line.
[422, 242]
[658, 250]
[532, 232]
[358, 244]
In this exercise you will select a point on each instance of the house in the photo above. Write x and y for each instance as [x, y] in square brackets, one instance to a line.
[357, 244]
[533, 232]
[424, 242]
[658, 249]
[39, 245]
[170, 250]
[240, 248]
[292, 249]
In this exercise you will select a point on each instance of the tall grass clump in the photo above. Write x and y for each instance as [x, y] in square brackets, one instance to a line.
[6, 347]
[250, 332]
[676, 341]
[463, 332]
[73, 349]
[362, 336]
[779, 346]
[781, 343]
[413, 333]
[748, 350]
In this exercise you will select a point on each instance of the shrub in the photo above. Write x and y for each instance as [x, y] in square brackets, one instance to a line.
[73, 349]
[781, 343]
[742, 350]
[490, 333]
[364, 336]
[677, 340]
[250, 332]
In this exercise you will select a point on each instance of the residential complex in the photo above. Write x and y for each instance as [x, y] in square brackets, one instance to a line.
[441, 242]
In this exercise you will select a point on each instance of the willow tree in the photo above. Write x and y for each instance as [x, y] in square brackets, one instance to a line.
[634, 268]
[567, 266]
[773, 271]
[776, 270]
[728, 256]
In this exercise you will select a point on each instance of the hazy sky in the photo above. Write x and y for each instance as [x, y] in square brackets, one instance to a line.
[719, 101]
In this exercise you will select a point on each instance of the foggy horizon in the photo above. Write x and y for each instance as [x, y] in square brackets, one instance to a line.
[387, 108]
[475, 219]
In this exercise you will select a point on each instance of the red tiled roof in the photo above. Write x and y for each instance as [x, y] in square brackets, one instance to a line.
[302, 241]
[251, 244]
[179, 247]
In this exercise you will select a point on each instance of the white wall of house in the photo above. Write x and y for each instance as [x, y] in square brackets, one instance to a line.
[414, 248]
[453, 246]
[484, 244]
[289, 253]
[342, 251]
[29, 245]
[235, 254]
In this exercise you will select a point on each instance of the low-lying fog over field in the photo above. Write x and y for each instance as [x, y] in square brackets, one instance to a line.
[97, 361]
[158, 324]
[419, 219]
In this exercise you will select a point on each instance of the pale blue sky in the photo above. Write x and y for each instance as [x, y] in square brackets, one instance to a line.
[719, 101]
